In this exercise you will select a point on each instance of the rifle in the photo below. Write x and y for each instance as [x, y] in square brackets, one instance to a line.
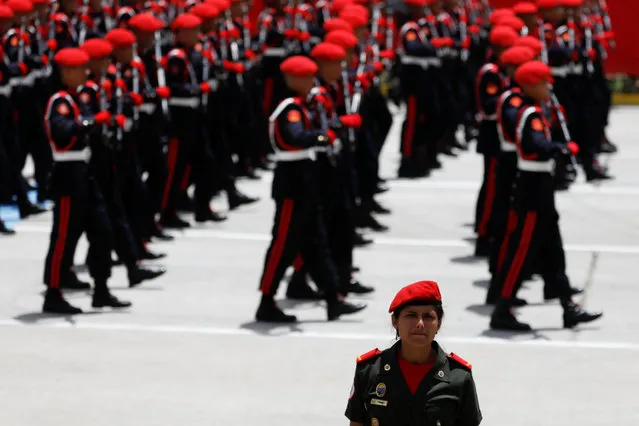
[164, 104]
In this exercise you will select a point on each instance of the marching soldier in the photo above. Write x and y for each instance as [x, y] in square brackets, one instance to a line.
[534, 230]
[79, 206]
[491, 83]
[299, 224]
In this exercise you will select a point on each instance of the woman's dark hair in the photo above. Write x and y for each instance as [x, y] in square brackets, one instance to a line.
[439, 309]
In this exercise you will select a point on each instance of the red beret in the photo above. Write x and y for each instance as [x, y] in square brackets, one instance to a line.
[354, 18]
[20, 6]
[421, 291]
[511, 21]
[346, 39]
[186, 21]
[531, 42]
[97, 48]
[5, 12]
[571, 3]
[547, 4]
[221, 5]
[517, 55]
[334, 24]
[328, 52]
[356, 9]
[299, 66]
[415, 2]
[533, 72]
[525, 7]
[120, 37]
[146, 22]
[205, 11]
[337, 5]
[503, 36]
[40, 2]
[71, 57]
[496, 14]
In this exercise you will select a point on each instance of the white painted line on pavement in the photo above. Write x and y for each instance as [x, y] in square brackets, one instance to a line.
[383, 241]
[214, 331]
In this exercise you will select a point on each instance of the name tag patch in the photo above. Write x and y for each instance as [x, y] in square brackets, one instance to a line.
[380, 402]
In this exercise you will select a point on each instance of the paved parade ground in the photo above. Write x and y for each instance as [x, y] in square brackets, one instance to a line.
[189, 352]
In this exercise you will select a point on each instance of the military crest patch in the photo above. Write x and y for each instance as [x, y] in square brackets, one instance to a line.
[294, 116]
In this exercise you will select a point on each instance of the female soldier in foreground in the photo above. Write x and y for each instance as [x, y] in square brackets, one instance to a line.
[414, 382]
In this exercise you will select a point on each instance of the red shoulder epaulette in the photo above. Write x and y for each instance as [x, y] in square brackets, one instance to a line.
[368, 355]
[460, 360]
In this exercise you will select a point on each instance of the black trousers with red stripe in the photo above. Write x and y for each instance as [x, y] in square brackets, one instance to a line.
[420, 130]
[505, 175]
[486, 197]
[74, 213]
[531, 236]
[299, 228]
[182, 136]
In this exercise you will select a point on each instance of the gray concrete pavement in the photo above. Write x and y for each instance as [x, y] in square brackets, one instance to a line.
[189, 352]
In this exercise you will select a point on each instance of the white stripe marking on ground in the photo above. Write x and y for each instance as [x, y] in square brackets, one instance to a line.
[383, 241]
[215, 331]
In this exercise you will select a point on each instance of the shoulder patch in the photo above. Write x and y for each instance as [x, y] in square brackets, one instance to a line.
[516, 101]
[492, 89]
[85, 98]
[368, 355]
[63, 108]
[294, 116]
[537, 125]
[460, 360]
[565, 37]
[411, 35]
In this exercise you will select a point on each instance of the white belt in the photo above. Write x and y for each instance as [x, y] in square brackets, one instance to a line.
[214, 84]
[43, 72]
[562, 71]
[536, 166]
[25, 81]
[147, 108]
[484, 117]
[300, 155]
[69, 156]
[503, 143]
[336, 147]
[185, 102]
[5, 90]
[577, 69]
[275, 52]
[128, 125]
[422, 62]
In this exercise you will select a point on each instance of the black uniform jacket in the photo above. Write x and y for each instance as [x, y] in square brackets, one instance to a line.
[445, 397]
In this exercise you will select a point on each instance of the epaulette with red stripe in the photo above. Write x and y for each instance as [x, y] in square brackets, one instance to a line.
[368, 355]
[460, 360]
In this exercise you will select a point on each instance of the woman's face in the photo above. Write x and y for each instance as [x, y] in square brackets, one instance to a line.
[417, 325]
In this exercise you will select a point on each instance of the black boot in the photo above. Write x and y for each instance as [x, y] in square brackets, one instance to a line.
[503, 318]
[209, 215]
[337, 308]
[55, 303]
[137, 274]
[360, 241]
[269, 312]
[174, 222]
[102, 298]
[237, 199]
[4, 230]
[575, 314]
[158, 233]
[355, 287]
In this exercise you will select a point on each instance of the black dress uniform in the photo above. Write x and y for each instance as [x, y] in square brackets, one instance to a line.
[534, 229]
[298, 226]
[79, 205]
[380, 395]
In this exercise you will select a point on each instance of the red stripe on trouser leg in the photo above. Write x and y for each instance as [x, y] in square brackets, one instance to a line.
[489, 199]
[510, 228]
[185, 179]
[58, 251]
[171, 162]
[520, 255]
[278, 246]
[409, 129]
[268, 96]
[298, 262]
